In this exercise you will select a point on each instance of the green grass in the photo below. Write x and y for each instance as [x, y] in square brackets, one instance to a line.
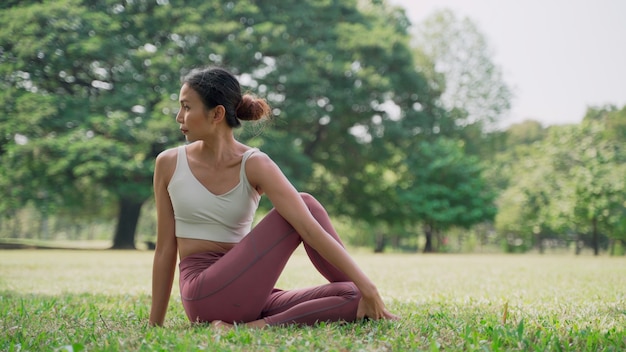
[56, 300]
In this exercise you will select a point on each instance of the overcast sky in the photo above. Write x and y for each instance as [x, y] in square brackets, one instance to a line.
[558, 56]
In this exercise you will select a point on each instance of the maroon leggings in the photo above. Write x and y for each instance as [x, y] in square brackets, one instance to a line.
[238, 286]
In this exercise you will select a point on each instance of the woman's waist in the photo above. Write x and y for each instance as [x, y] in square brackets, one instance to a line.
[190, 246]
[216, 230]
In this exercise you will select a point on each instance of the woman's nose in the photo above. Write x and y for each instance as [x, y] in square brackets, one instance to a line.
[179, 116]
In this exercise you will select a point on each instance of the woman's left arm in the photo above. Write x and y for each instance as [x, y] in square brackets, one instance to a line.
[267, 178]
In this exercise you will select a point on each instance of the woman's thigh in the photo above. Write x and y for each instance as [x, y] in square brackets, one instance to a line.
[237, 286]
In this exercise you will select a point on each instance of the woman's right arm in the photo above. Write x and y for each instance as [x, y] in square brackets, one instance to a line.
[166, 249]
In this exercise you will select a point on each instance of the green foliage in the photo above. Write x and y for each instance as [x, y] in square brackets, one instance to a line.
[524, 133]
[88, 95]
[443, 187]
[89, 91]
[570, 181]
[81, 101]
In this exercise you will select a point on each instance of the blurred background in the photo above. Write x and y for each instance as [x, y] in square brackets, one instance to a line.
[400, 116]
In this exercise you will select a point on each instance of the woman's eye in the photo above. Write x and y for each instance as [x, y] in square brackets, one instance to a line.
[186, 107]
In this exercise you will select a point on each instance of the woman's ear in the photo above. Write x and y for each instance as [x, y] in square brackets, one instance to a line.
[219, 113]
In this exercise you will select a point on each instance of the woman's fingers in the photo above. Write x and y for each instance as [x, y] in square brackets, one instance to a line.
[391, 316]
[373, 310]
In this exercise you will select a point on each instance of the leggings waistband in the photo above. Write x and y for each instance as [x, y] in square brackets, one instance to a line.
[194, 264]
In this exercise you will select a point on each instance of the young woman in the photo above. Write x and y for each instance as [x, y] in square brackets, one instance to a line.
[206, 195]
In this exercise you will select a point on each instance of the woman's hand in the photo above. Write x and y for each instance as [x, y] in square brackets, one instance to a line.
[371, 306]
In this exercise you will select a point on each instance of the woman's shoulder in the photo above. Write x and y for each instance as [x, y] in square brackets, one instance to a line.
[258, 156]
[168, 154]
[166, 161]
[259, 163]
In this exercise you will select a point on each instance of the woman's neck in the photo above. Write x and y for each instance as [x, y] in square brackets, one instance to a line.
[220, 149]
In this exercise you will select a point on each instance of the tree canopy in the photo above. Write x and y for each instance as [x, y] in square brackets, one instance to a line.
[89, 92]
[566, 181]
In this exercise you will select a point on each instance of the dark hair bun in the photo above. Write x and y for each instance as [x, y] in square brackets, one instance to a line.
[252, 108]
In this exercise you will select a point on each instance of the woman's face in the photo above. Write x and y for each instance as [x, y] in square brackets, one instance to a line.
[193, 116]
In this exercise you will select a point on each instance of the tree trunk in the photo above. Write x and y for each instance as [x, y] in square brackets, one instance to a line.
[612, 247]
[428, 232]
[44, 229]
[439, 243]
[594, 239]
[381, 241]
[126, 224]
[15, 228]
[539, 240]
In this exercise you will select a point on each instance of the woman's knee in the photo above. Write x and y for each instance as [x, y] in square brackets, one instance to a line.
[357, 294]
[307, 198]
[311, 202]
[347, 290]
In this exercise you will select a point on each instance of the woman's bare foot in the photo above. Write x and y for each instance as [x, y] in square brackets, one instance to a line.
[222, 326]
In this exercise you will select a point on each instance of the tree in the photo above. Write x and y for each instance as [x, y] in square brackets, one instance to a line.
[442, 187]
[527, 206]
[91, 80]
[572, 181]
[613, 120]
[597, 171]
[335, 86]
[524, 133]
[457, 60]
[99, 81]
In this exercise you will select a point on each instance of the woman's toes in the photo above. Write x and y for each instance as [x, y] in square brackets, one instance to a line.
[222, 326]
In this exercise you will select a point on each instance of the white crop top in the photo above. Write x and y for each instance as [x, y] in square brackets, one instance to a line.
[200, 214]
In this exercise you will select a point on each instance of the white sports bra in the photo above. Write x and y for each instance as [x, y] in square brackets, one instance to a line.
[200, 214]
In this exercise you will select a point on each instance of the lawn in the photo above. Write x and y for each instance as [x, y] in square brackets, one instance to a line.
[56, 300]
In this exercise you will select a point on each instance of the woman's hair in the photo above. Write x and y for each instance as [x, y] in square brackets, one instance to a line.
[216, 86]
